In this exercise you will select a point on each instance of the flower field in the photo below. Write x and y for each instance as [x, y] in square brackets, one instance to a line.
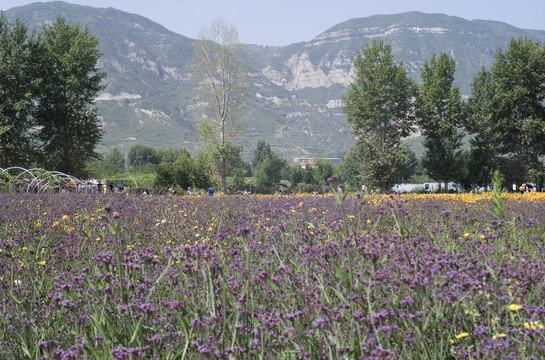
[275, 277]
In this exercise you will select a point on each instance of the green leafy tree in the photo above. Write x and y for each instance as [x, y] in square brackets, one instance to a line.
[519, 74]
[441, 114]
[295, 175]
[179, 173]
[308, 176]
[115, 161]
[164, 176]
[348, 169]
[270, 168]
[203, 171]
[323, 170]
[68, 81]
[378, 107]
[170, 155]
[408, 166]
[221, 70]
[184, 172]
[237, 172]
[15, 94]
[262, 151]
[483, 153]
[140, 155]
[110, 164]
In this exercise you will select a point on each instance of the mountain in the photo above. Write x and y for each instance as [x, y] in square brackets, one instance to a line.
[294, 100]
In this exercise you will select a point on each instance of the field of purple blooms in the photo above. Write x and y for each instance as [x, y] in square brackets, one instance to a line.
[271, 277]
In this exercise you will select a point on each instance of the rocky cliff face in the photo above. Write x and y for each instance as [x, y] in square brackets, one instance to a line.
[294, 102]
[298, 72]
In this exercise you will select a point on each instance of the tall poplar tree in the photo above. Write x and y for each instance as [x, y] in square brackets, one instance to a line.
[441, 116]
[15, 95]
[379, 110]
[68, 81]
[483, 153]
[519, 74]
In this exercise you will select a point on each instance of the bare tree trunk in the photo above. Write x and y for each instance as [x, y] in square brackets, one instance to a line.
[223, 174]
[221, 68]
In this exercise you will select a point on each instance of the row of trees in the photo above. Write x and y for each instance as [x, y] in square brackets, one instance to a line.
[48, 81]
[159, 170]
[504, 118]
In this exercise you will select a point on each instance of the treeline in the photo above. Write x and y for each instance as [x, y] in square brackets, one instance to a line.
[503, 120]
[161, 170]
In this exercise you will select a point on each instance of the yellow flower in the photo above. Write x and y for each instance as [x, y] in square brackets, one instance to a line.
[55, 224]
[25, 248]
[462, 335]
[369, 221]
[466, 234]
[43, 262]
[66, 217]
[97, 239]
[515, 307]
[499, 335]
[533, 325]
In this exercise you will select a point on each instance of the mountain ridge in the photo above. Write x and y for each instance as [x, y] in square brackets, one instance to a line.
[294, 100]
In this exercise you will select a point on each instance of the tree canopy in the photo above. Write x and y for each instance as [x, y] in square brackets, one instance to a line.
[441, 116]
[16, 94]
[48, 83]
[519, 74]
[379, 107]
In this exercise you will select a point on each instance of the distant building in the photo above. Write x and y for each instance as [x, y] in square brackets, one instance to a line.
[304, 162]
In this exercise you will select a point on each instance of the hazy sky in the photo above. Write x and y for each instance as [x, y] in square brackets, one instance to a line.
[283, 22]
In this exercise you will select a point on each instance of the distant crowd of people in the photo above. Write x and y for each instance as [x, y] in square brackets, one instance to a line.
[523, 188]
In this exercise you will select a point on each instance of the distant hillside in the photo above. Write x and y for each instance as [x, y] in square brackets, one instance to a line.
[295, 95]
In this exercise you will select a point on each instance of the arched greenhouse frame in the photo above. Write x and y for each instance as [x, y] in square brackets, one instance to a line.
[19, 179]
